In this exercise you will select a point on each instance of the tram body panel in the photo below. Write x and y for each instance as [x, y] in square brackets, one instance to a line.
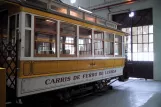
[29, 86]
[39, 73]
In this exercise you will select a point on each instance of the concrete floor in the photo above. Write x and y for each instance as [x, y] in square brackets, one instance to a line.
[133, 93]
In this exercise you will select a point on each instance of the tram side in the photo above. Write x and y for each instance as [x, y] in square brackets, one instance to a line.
[60, 53]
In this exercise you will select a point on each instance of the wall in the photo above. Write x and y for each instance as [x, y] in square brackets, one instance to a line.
[157, 39]
[81, 3]
[155, 4]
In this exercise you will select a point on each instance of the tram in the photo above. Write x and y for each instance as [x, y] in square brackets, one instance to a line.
[48, 46]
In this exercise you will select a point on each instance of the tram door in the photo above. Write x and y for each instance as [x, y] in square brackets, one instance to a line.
[9, 43]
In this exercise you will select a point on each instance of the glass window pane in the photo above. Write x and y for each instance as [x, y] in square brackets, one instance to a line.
[145, 38]
[98, 43]
[140, 30]
[27, 43]
[109, 37]
[140, 56]
[151, 29]
[140, 39]
[90, 18]
[46, 26]
[98, 35]
[140, 47]
[109, 48]
[118, 38]
[98, 48]
[135, 56]
[145, 29]
[151, 47]
[76, 13]
[59, 8]
[45, 37]
[67, 39]
[118, 49]
[151, 56]
[134, 31]
[145, 47]
[85, 44]
[150, 38]
[134, 39]
[28, 20]
[135, 48]
[146, 56]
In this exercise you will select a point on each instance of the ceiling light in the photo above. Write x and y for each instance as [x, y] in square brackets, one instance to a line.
[132, 14]
[72, 1]
[84, 9]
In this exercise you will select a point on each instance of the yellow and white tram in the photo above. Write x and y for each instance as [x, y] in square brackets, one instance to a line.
[61, 46]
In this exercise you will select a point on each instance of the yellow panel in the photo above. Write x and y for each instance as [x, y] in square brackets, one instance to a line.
[3, 88]
[26, 68]
[67, 66]
[44, 67]
[119, 62]
[85, 64]
[109, 63]
[48, 68]
[98, 64]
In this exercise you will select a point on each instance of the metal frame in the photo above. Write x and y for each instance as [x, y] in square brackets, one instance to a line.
[10, 60]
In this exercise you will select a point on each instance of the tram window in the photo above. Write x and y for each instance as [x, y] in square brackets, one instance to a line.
[67, 39]
[76, 13]
[28, 20]
[27, 43]
[118, 45]
[90, 18]
[45, 37]
[98, 43]
[59, 8]
[109, 44]
[85, 42]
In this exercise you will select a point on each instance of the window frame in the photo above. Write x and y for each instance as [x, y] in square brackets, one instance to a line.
[59, 36]
[99, 40]
[49, 34]
[85, 38]
[77, 55]
[141, 43]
